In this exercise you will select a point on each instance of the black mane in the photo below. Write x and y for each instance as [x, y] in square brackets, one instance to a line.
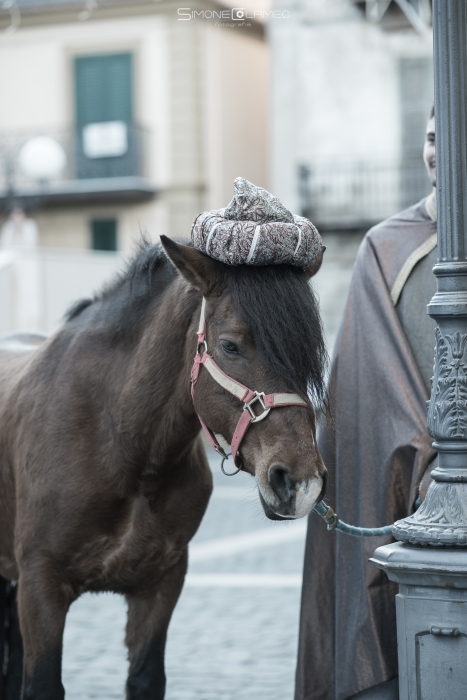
[276, 301]
[138, 282]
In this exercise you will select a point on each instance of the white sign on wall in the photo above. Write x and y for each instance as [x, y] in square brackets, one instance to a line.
[105, 139]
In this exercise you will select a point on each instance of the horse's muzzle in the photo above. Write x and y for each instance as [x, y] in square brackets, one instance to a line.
[291, 499]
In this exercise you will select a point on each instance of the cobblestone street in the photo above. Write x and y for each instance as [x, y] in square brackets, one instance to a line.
[234, 632]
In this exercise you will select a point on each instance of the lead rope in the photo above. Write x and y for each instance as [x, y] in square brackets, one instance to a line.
[333, 523]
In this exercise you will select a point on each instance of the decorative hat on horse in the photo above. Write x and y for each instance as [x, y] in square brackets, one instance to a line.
[256, 229]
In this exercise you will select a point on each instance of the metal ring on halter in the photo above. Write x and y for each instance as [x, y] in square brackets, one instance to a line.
[223, 470]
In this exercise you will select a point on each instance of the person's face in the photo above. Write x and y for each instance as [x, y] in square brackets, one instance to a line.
[429, 151]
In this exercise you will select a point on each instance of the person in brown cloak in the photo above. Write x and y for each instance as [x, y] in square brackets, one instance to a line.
[377, 451]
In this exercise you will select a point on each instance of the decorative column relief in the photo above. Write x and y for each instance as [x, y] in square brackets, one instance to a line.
[441, 520]
[447, 410]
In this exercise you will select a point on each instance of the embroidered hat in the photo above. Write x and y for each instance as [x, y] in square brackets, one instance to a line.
[256, 229]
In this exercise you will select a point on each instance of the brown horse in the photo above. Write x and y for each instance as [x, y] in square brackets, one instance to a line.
[103, 476]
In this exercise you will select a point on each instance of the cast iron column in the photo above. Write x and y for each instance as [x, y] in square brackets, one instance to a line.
[442, 518]
[432, 601]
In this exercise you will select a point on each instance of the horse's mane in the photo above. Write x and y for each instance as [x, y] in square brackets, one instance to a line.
[138, 281]
[277, 303]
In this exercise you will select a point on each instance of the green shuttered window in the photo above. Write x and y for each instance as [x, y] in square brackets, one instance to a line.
[104, 234]
[107, 141]
[104, 88]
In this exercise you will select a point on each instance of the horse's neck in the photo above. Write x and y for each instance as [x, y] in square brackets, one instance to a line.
[159, 406]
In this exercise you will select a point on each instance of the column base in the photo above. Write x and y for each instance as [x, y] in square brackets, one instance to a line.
[441, 520]
[431, 619]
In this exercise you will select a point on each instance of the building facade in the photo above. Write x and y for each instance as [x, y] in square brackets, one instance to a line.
[121, 118]
[352, 86]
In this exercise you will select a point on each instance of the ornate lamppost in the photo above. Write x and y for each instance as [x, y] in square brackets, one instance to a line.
[429, 562]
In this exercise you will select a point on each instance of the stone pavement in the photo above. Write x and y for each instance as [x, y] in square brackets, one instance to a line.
[234, 632]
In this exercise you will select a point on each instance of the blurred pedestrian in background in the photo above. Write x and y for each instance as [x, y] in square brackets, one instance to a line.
[378, 453]
[19, 231]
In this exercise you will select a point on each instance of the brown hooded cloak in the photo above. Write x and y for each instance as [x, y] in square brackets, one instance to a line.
[376, 449]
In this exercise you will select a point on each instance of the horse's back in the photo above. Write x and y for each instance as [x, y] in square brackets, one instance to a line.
[15, 351]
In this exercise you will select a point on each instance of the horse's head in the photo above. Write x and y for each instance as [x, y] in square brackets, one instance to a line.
[263, 330]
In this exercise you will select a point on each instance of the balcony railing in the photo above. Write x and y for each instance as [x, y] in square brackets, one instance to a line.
[358, 195]
[99, 160]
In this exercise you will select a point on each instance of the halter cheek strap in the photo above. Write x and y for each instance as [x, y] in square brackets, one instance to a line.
[250, 398]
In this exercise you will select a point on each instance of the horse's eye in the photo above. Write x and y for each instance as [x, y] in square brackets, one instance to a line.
[230, 348]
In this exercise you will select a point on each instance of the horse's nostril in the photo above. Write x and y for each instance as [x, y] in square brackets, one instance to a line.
[281, 482]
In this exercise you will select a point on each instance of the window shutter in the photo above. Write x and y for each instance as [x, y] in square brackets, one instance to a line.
[104, 234]
[103, 88]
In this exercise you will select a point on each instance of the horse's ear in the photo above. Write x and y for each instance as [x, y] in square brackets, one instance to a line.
[312, 269]
[199, 270]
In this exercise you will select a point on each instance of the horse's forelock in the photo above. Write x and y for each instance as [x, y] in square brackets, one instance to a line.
[281, 310]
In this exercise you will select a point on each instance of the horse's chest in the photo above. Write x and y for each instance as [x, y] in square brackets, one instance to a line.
[148, 536]
[142, 550]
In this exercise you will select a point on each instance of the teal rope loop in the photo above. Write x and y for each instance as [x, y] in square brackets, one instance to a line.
[333, 523]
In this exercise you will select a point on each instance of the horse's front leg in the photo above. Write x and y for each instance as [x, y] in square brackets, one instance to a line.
[14, 666]
[43, 602]
[148, 619]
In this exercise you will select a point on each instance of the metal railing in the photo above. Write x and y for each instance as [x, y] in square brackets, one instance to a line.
[359, 194]
[113, 149]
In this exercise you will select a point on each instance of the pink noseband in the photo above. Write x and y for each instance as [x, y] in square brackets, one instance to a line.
[265, 401]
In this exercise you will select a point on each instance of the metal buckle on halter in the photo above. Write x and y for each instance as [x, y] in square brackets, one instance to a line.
[198, 352]
[247, 406]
